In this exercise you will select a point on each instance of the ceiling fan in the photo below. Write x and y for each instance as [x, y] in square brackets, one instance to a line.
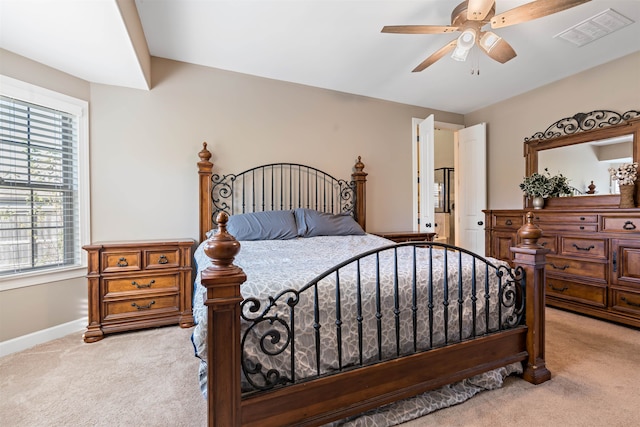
[470, 16]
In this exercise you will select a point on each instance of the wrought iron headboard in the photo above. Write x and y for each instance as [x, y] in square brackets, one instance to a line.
[277, 186]
[281, 186]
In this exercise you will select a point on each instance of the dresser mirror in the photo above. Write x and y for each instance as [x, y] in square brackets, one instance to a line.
[583, 148]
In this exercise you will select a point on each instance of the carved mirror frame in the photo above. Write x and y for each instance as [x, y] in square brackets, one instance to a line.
[582, 128]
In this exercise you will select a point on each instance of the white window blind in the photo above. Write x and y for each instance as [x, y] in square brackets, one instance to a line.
[39, 212]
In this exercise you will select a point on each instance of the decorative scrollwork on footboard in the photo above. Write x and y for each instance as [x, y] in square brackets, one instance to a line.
[383, 304]
[274, 335]
[513, 295]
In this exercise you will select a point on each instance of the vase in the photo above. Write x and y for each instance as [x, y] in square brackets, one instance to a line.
[537, 202]
[626, 196]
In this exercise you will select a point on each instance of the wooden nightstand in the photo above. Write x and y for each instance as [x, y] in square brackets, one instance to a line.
[406, 236]
[135, 285]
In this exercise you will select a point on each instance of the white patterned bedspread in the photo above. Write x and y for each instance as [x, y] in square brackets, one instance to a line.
[276, 265]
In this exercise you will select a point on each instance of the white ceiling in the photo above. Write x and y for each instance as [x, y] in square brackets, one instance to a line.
[333, 44]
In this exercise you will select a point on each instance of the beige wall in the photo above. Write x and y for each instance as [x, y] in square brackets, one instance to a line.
[144, 147]
[613, 86]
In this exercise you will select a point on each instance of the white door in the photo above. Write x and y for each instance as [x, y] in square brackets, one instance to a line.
[424, 170]
[471, 187]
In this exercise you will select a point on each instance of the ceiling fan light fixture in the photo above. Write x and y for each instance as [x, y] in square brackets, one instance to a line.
[460, 54]
[467, 39]
[465, 42]
[489, 40]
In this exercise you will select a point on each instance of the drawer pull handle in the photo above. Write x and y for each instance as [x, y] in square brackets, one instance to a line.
[163, 259]
[508, 222]
[581, 218]
[142, 307]
[139, 286]
[564, 267]
[583, 249]
[632, 304]
[558, 289]
[543, 244]
[122, 262]
[629, 225]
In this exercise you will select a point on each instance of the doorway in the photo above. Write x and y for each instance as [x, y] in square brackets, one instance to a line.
[458, 154]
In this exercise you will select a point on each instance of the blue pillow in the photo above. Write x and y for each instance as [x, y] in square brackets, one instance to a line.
[313, 223]
[267, 225]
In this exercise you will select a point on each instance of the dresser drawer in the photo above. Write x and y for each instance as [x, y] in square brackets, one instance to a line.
[578, 268]
[575, 219]
[583, 247]
[164, 258]
[618, 224]
[568, 228]
[121, 260]
[548, 242]
[626, 301]
[595, 295]
[507, 221]
[141, 284]
[140, 306]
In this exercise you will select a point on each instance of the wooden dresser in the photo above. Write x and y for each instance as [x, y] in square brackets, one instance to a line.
[406, 236]
[593, 266]
[135, 285]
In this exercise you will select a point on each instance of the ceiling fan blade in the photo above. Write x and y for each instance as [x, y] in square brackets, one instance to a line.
[477, 10]
[535, 9]
[418, 29]
[436, 56]
[496, 47]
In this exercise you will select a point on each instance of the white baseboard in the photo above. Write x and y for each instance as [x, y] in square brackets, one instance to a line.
[24, 342]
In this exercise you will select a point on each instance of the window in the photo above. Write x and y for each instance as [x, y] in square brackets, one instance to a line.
[43, 183]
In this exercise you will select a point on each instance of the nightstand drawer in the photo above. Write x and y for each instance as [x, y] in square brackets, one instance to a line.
[141, 284]
[140, 306]
[583, 247]
[587, 294]
[121, 260]
[166, 258]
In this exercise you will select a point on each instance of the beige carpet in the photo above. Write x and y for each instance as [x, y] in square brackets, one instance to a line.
[148, 378]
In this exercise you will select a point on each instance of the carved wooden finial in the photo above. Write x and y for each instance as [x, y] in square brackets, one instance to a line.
[222, 247]
[530, 233]
[204, 154]
[359, 166]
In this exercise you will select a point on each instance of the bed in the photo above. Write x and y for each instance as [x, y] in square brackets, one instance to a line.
[311, 320]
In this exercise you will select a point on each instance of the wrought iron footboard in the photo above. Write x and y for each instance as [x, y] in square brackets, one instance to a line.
[382, 304]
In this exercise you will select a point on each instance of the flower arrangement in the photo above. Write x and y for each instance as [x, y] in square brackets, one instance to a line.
[625, 174]
[545, 185]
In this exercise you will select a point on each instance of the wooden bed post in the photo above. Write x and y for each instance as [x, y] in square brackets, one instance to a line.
[360, 179]
[205, 168]
[532, 258]
[222, 281]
